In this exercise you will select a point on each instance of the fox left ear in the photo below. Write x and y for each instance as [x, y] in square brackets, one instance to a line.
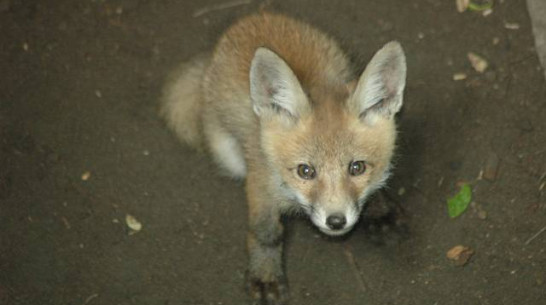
[380, 88]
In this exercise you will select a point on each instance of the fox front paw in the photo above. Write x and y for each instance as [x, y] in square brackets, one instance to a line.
[267, 293]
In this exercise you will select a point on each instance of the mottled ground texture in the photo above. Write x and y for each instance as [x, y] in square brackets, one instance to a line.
[79, 87]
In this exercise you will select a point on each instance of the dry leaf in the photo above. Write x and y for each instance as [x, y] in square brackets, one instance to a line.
[478, 63]
[460, 254]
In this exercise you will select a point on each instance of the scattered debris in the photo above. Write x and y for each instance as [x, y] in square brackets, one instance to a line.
[356, 270]
[478, 209]
[487, 12]
[495, 40]
[133, 223]
[480, 175]
[480, 7]
[460, 255]
[535, 236]
[25, 47]
[491, 167]
[511, 26]
[217, 7]
[462, 5]
[482, 214]
[459, 76]
[401, 191]
[86, 175]
[66, 223]
[478, 63]
[98, 93]
[457, 204]
[89, 298]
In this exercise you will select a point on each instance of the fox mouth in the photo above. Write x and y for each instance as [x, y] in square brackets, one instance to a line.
[335, 232]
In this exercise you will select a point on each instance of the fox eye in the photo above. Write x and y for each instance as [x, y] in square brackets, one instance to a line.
[357, 168]
[306, 172]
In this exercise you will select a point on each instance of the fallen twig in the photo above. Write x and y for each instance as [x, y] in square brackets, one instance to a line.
[221, 6]
[89, 298]
[535, 236]
[354, 267]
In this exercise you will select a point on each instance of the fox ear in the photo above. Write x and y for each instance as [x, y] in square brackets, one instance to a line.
[274, 88]
[380, 88]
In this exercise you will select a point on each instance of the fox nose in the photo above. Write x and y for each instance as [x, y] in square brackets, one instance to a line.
[336, 221]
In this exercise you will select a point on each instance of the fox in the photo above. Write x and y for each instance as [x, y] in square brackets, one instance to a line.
[279, 106]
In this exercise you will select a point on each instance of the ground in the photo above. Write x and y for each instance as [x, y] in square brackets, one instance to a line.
[82, 146]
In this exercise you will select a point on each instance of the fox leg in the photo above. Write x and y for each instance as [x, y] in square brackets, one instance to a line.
[266, 281]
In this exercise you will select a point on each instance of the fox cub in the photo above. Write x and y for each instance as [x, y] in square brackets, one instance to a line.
[277, 103]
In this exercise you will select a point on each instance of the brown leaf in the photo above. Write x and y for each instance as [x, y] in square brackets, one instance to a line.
[460, 255]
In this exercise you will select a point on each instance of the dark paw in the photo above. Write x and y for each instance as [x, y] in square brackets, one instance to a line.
[267, 293]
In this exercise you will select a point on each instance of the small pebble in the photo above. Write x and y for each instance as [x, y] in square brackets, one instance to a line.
[478, 63]
[491, 167]
[133, 223]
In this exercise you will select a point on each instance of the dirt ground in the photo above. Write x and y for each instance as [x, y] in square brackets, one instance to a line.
[78, 94]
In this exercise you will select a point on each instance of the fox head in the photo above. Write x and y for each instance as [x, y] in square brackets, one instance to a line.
[328, 146]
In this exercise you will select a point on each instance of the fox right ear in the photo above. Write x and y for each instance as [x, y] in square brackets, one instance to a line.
[274, 88]
[380, 89]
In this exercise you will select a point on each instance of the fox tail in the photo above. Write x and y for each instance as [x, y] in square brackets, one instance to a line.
[182, 101]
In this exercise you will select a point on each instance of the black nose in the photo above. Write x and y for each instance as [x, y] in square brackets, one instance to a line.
[336, 221]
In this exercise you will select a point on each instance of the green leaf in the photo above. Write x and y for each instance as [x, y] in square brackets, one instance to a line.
[457, 204]
[478, 7]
